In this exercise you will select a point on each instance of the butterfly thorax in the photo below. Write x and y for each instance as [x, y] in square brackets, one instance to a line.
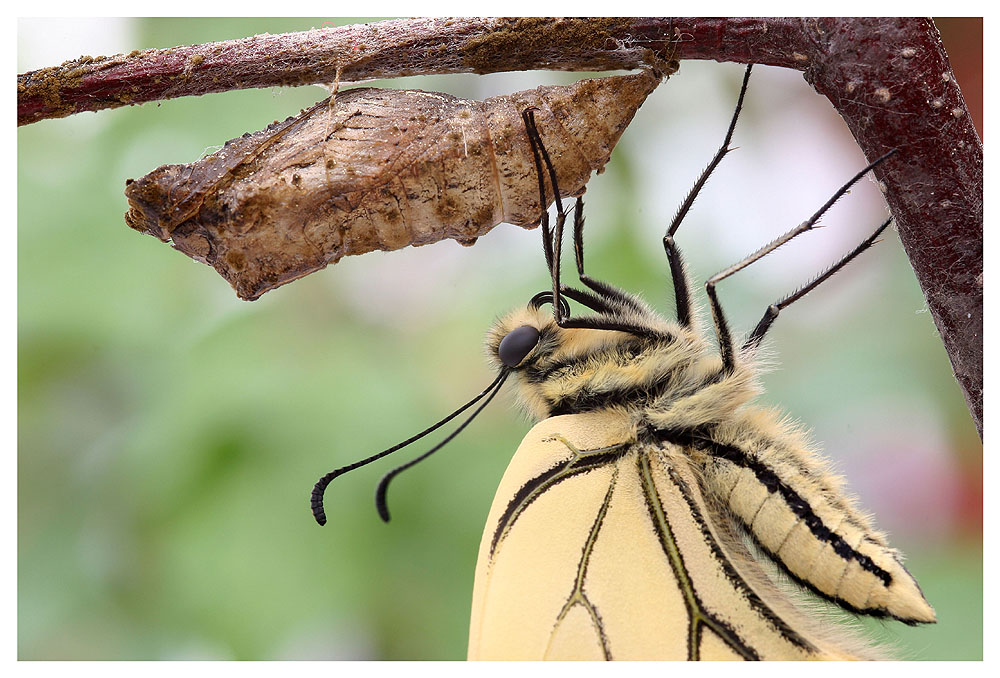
[665, 378]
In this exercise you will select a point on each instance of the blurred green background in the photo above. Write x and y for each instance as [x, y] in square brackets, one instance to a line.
[169, 434]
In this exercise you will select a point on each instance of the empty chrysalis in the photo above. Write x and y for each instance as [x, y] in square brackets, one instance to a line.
[641, 517]
[377, 169]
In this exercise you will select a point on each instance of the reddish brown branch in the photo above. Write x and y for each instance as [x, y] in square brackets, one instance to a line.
[889, 78]
[935, 188]
[385, 49]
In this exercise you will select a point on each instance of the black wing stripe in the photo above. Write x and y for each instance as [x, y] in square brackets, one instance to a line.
[535, 487]
[578, 596]
[698, 615]
[759, 606]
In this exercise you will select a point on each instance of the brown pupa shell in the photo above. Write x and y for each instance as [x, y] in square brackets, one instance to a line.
[378, 169]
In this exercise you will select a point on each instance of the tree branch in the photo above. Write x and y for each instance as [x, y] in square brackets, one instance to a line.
[889, 78]
[385, 49]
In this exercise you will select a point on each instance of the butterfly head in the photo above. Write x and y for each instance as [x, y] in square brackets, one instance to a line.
[544, 358]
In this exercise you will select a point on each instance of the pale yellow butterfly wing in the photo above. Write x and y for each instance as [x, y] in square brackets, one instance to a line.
[600, 547]
[516, 607]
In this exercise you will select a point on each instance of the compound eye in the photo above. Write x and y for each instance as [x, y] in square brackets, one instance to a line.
[517, 344]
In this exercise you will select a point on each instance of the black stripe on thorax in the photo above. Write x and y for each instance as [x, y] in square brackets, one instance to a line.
[770, 480]
[587, 400]
[537, 374]
[639, 396]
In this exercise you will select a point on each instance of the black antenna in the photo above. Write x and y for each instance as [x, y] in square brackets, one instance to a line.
[320, 487]
[383, 486]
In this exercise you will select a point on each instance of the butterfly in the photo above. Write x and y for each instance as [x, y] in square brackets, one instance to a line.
[646, 513]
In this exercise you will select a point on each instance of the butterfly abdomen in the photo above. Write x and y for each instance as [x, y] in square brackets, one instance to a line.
[760, 468]
[799, 515]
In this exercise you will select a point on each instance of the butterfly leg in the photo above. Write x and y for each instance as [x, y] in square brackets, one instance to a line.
[551, 237]
[682, 294]
[608, 292]
[722, 328]
[772, 311]
[591, 301]
[605, 297]
[605, 321]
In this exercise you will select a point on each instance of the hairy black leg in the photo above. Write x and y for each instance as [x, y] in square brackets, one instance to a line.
[682, 292]
[772, 311]
[553, 244]
[610, 323]
[528, 117]
[591, 301]
[603, 289]
[551, 240]
[607, 320]
[722, 329]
